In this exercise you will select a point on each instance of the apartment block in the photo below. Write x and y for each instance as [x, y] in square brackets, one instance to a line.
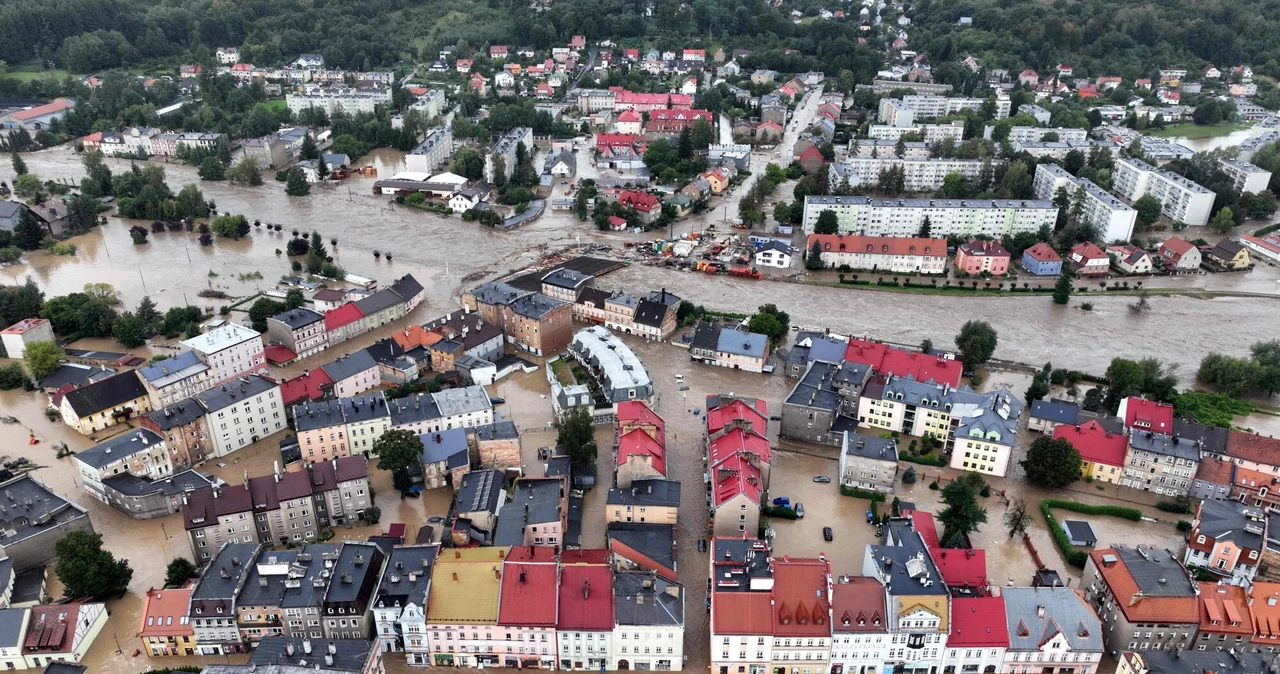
[928, 107]
[1028, 134]
[901, 255]
[931, 133]
[1181, 200]
[432, 153]
[242, 412]
[349, 100]
[230, 351]
[870, 216]
[1113, 218]
[921, 175]
[1245, 177]
[504, 153]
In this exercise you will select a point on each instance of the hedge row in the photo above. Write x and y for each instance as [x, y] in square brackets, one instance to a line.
[873, 496]
[778, 511]
[1074, 557]
[923, 459]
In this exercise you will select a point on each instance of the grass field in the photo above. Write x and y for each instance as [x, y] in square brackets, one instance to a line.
[275, 104]
[1196, 130]
[29, 72]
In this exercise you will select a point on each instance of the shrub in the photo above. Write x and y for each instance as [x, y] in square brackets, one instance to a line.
[909, 475]
[934, 485]
[1184, 525]
[873, 496]
[779, 512]
[1178, 507]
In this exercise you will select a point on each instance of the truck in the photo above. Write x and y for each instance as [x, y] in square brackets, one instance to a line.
[744, 272]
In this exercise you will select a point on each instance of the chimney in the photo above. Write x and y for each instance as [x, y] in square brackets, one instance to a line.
[455, 576]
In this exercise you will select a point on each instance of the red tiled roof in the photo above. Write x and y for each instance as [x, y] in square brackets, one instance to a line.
[858, 606]
[641, 201]
[922, 522]
[40, 110]
[1147, 609]
[725, 415]
[1088, 250]
[529, 590]
[800, 598]
[1043, 252]
[742, 613]
[961, 568]
[165, 613]
[1095, 443]
[635, 412]
[279, 353]
[881, 245]
[978, 622]
[46, 633]
[1215, 471]
[343, 315]
[1148, 415]
[586, 597]
[629, 115]
[1253, 447]
[624, 97]
[738, 441]
[306, 386]
[735, 475]
[901, 362]
[1224, 609]
[1264, 614]
[639, 443]
[585, 556]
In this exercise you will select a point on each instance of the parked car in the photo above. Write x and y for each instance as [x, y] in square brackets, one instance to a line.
[702, 545]
[782, 501]
[826, 534]
[800, 510]
[435, 520]
[821, 478]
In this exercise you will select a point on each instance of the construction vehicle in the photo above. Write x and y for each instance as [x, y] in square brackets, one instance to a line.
[739, 224]
[744, 272]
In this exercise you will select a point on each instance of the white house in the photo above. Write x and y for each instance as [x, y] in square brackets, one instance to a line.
[400, 602]
[648, 628]
[242, 412]
[228, 55]
[230, 351]
[774, 254]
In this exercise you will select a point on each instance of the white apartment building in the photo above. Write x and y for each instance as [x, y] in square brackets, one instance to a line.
[897, 254]
[896, 113]
[423, 413]
[648, 628]
[931, 133]
[1059, 149]
[140, 452]
[926, 107]
[349, 100]
[1113, 218]
[1043, 116]
[399, 605]
[367, 418]
[875, 147]
[868, 216]
[1029, 134]
[430, 104]
[505, 151]
[433, 152]
[242, 412]
[1245, 177]
[860, 627]
[230, 351]
[922, 175]
[175, 379]
[1181, 200]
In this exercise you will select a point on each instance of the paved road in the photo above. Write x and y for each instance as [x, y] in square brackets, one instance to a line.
[591, 61]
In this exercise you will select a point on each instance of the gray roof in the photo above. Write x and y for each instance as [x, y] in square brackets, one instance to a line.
[119, 447]
[650, 313]
[234, 558]
[1059, 411]
[663, 297]
[445, 446]
[536, 305]
[1217, 662]
[349, 655]
[1157, 573]
[28, 508]
[496, 292]
[414, 408]
[993, 417]
[565, 278]
[1080, 531]
[536, 500]
[312, 585]
[480, 491]
[814, 390]
[706, 336]
[356, 561]
[647, 492]
[364, 407]
[1064, 612]
[349, 366]
[661, 603]
[454, 401]
[9, 209]
[11, 620]
[267, 589]
[177, 414]
[132, 485]
[407, 287]
[105, 394]
[657, 542]
[1232, 521]
[234, 392]
[622, 376]
[75, 374]
[64, 668]
[378, 301]
[906, 568]
[298, 318]
[1212, 439]
[1166, 445]
[398, 585]
[6, 573]
[871, 447]
[320, 414]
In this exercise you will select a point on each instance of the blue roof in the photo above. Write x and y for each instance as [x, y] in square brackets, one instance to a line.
[1055, 410]
[437, 447]
[740, 343]
[169, 366]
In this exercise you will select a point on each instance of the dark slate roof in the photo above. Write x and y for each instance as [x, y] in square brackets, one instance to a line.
[406, 287]
[310, 590]
[498, 430]
[348, 654]
[64, 668]
[559, 466]
[397, 585]
[481, 490]
[378, 301]
[921, 577]
[536, 305]
[1217, 662]
[385, 350]
[872, 447]
[655, 541]
[650, 313]
[349, 366]
[663, 297]
[364, 407]
[234, 392]
[448, 445]
[119, 447]
[565, 278]
[636, 604]
[814, 389]
[299, 318]
[74, 374]
[1058, 411]
[105, 394]
[357, 560]
[311, 415]
[177, 414]
[266, 590]
[234, 558]
[1167, 445]
[539, 498]
[706, 336]
[1232, 521]
[1156, 573]
[132, 485]
[410, 409]
[1079, 531]
[1212, 439]
[29, 508]
[11, 626]
[593, 296]
[647, 492]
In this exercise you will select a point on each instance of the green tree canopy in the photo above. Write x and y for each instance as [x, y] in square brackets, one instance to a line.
[1052, 463]
[178, 572]
[42, 358]
[576, 435]
[976, 342]
[397, 450]
[86, 570]
[962, 515]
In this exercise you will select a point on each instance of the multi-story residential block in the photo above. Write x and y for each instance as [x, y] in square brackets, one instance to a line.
[868, 463]
[141, 453]
[564, 284]
[467, 407]
[1165, 464]
[1042, 260]
[895, 113]
[462, 608]
[928, 107]
[380, 308]
[528, 607]
[1032, 134]
[1245, 177]
[367, 417]
[350, 100]
[1059, 150]
[259, 606]
[1181, 200]
[1227, 539]
[917, 601]
[502, 157]
[16, 337]
[445, 458]
[1047, 415]
[1051, 627]
[477, 502]
[321, 428]
[277, 509]
[213, 601]
[347, 601]
[300, 330]
[1102, 453]
[432, 153]
[1113, 218]
[877, 147]
[979, 638]
[639, 444]
[301, 604]
[979, 256]
[400, 603]
[537, 515]
[738, 458]
[1143, 596]
[533, 322]
[353, 374]
[825, 392]
[869, 216]
[931, 133]
[340, 656]
[242, 412]
[741, 610]
[860, 637]
[900, 255]
[646, 500]
[986, 433]
[921, 175]
[1225, 623]
[105, 403]
[342, 323]
[32, 528]
[230, 351]
[166, 626]
[175, 379]
[50, 644]
[584, 619]
[801, 613]
[648, 628]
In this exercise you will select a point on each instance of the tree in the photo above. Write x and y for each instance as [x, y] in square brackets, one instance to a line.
[401, 481]
[230, 226]
[86, 570]
[771, 322]
[297, 185]
[211, 169]
[397, 450]
[469, 164]
[245, 172]
[308, 150]
[1016, 520]
[1052, 463]
[954, 186]
[814, 261]
[147, 313]
[129, 330]
[828, 223]
[1063, 286]
[976, 342]
[1223, 221]
[178, 572]
[926, 226]
[19, 166]
[1148, 208]
[576, 434]
[294, 299]
[28, 233]
[28, 186]
[262, 309]
[909, 475]
[42, 358]
[1073, 162]
[962, 515]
